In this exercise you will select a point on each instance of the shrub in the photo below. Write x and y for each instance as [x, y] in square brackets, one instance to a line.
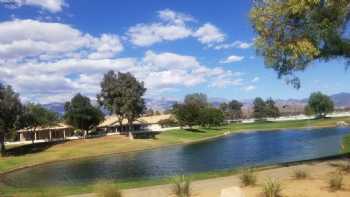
[182, 186]
[300, 174]
[336, 182]
[272, 188]
[107, 189]
[248, 177]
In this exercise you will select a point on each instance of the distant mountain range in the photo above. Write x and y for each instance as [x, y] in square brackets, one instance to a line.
[341, 100]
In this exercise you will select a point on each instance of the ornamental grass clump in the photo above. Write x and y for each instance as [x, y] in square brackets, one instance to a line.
[336, 182]
[248, 177]
[182, 186]
[300, 174]
[272, 188]
[107, 189]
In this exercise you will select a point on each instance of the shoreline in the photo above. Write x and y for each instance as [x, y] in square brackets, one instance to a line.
[225, 134]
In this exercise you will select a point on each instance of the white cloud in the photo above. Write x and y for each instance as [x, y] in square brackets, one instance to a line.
[50, 5]
[30, 38]
[249, 88]
[171, 16]
[231, 59]
[236, 44]
[171, 27]
[256, 79]
[209, 34]
[49, 62]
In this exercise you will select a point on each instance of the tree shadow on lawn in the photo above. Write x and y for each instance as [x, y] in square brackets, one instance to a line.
[31, 148]
[194, 130]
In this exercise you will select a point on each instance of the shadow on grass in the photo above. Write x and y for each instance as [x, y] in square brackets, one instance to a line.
[194, 130]
[31, 148]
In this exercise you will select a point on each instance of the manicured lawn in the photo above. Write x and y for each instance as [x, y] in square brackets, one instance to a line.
[37, 154]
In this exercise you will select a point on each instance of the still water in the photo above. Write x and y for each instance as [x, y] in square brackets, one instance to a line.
[234, 151]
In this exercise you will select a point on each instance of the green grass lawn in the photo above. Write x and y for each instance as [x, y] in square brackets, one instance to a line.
[38, 154]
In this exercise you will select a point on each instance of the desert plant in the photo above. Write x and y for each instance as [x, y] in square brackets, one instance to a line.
[336, 182]
[272, 188]
[300, 174]
[182, 186]
[248, 177]
[107, 189]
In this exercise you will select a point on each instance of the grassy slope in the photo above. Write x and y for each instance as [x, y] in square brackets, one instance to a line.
[117, 144]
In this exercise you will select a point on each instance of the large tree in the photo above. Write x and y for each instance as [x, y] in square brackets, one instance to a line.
[271, 109]
[265, 109]
[34, 116]
[81, 114]
[188, 112]
[294, 33]
[319, 104]
[210, 116]
[232, 110]
[259, 108]
[10, 109]
[122, 94]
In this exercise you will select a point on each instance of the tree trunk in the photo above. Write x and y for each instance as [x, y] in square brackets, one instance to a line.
[2, 144]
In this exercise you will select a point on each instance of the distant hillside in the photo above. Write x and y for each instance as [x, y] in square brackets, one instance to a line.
[341, 100]
[56, 107]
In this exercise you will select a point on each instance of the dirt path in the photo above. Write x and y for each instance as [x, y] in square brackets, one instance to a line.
[314, 186]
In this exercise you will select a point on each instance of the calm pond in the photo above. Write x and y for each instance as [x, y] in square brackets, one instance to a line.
[234, 151]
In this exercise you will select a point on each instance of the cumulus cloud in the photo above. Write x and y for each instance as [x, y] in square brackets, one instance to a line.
[50, 5]
[209, 34]
[50, 62]
[29, 38]
[171, 27]
[231, 59]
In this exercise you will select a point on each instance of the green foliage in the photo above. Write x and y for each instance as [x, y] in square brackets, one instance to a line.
[107, 189]
[272, 188]
[189, 112]
[335, 182]
[182, 186]
[300, 174]
[293, 33]
[34, 116]
[210, 116]
[232, 110]
[198, 99]
[10, 109]
[81, 114]
[265, 109]
[122, 95]
[319, 104]
[196, 111]
[248, 177]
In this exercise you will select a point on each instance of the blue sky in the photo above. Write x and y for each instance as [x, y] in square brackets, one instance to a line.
[53, 49]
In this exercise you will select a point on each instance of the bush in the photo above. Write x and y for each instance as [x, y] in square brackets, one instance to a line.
[182, 186]
[272, 188]
[107, 189]
[336, 182]
[300, 174]
[248, 177]
[170, 122]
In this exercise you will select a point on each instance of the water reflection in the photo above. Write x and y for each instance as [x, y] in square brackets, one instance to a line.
[244, 149]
